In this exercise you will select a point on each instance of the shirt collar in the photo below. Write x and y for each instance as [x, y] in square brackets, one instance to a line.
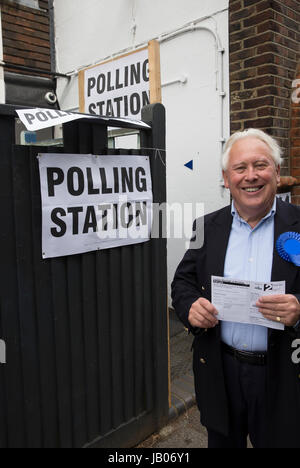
[237, 216]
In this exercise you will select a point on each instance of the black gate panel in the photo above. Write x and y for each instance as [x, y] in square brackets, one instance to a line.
[86, 335]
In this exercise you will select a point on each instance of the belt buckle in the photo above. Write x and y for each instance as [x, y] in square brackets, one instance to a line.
[240, 356]
[250, 358]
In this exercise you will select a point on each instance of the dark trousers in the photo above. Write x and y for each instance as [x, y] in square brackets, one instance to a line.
[246, 392]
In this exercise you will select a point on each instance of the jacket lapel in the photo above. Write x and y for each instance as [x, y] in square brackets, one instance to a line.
[217, 237]
[285, 221]
[282, 270]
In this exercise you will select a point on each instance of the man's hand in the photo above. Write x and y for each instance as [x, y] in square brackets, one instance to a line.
[283, 306]
[203, 314]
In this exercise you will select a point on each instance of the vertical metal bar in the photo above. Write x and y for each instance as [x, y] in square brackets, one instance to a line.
[116, 331]
[72, 137]
[155, 115]
[12, 410]
[26, 294]
[44, 312]
[90, 313]
[127, 290]
[99, 146]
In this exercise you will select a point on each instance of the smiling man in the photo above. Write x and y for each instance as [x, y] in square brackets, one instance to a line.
[246, 382]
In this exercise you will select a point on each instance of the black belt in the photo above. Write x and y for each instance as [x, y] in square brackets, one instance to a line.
[249, 357]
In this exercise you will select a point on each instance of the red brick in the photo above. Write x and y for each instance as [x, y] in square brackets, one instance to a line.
[265, 111]
[235, 5]
[260, 60]
[262, 5]
[236, 106]
[259, 81]
[243, 115]
[241, 54]
[296, 172]
[243, 74]
[274, 91]
[295, 132]
[296, 142]
[259, 18]
[234, 67]
[287, 22]
[296, 190]
[259, 123]
[259, 39]
[259, 102]
[236, 86]
[284, 10]
[242, 13]
[239, 36]
[295, 155]
[236, 127]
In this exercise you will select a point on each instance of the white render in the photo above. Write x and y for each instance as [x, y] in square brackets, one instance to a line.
[193, 36]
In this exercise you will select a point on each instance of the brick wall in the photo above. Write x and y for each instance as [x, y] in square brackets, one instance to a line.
[264, 52]
[26, 36]
[295, 138]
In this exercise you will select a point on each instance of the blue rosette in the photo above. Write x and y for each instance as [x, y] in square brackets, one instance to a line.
[288, 247]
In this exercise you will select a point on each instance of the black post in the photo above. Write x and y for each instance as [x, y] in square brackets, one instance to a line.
[154, 144]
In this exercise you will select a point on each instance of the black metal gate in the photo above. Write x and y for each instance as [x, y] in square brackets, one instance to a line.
[86, 335]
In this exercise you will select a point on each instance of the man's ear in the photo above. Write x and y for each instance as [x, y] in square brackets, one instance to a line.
[225, 179]
[278, 173]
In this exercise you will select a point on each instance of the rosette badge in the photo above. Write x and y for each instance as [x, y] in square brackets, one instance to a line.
[288, 247]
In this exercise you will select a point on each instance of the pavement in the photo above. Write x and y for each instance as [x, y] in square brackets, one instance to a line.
[184, 429]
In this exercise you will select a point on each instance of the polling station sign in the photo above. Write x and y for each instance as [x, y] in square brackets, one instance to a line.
[118, 87]
[92, 202]
[37, 118]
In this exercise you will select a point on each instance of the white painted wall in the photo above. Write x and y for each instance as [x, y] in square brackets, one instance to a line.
[191, 32]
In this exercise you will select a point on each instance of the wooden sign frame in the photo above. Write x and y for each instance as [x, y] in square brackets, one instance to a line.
[154, 74]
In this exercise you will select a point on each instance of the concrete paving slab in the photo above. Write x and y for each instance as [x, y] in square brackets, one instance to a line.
[184, 432]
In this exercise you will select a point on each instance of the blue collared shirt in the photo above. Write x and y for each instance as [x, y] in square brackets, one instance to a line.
[249, 257]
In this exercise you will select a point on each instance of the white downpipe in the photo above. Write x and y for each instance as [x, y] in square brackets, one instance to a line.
[2, 83]
[219, 74]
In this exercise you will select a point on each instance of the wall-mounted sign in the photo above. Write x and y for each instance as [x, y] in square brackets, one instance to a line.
[93, 202]
[122, 86]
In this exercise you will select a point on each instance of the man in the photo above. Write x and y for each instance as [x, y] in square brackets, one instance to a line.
[245, 380]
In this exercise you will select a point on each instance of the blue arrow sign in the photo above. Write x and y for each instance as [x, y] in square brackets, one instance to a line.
[190, 165]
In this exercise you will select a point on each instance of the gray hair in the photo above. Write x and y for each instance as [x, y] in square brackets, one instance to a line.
[275, 150]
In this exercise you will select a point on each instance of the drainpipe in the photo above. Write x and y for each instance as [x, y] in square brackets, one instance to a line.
[2, 82]
[52, 36]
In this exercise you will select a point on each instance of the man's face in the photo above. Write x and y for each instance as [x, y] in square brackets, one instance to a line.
[252, 177]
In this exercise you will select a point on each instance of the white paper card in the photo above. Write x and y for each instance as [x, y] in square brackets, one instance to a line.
[235, 300]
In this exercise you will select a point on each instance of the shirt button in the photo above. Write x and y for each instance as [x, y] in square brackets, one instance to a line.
[251, 259]
[202, 360]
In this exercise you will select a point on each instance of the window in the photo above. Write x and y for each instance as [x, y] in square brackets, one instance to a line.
[28, 3]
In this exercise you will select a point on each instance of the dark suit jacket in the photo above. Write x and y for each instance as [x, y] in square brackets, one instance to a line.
[193, 280]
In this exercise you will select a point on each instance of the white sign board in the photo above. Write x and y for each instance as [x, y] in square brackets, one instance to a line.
[37, 119]
[93, 202]
[118, 88]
